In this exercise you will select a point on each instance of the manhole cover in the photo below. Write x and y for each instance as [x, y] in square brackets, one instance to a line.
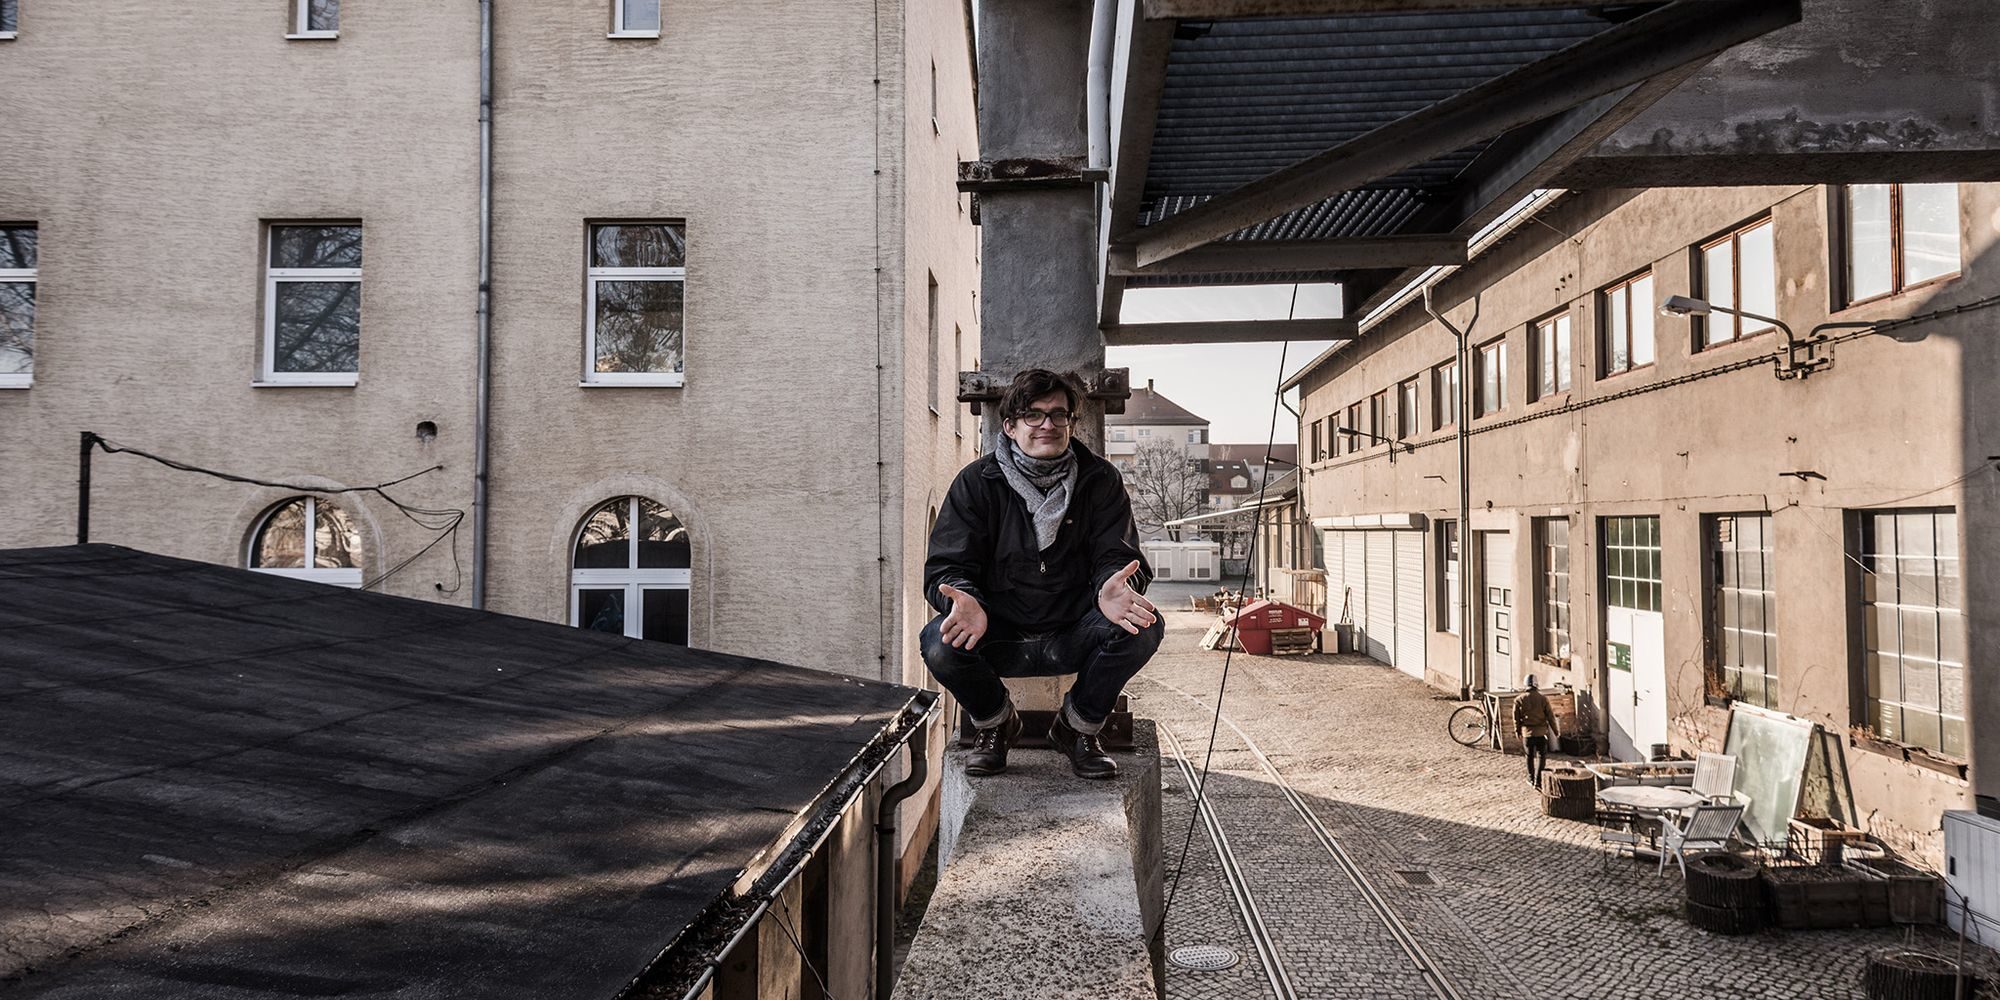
[1203, 957]
[1417, 877]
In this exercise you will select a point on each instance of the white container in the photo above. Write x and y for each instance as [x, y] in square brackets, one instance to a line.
[1972, 870]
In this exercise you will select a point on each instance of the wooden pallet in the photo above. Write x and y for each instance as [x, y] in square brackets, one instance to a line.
[1291, 641]
[1220, 636]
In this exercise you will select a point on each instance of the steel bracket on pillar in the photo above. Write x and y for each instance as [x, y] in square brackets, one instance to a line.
[1028, 173]
[1110, 387]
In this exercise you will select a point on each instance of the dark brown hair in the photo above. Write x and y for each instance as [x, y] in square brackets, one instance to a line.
[1031, 385]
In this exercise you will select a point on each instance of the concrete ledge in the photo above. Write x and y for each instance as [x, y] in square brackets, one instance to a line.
[1049, 885]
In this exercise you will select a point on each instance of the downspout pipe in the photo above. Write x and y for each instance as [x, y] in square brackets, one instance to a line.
[885, 857]
[1097, 87]
[1464, 540]
[483, 399]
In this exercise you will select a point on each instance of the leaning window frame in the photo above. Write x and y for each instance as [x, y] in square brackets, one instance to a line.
[618, 29]
[267, 373]
[302, 21]
[591, 377]
[22, 380]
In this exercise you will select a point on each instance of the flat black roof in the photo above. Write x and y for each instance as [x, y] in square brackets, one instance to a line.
[223, 784]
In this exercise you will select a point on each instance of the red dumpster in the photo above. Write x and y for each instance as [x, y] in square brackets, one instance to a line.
[1258, 619]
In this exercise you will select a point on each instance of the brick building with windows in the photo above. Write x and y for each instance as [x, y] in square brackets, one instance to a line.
[1725, 446]
[731, 285]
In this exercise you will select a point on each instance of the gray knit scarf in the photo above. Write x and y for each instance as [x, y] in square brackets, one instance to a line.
[1045, 485]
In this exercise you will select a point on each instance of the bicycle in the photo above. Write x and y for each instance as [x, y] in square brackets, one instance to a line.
[1472, 725]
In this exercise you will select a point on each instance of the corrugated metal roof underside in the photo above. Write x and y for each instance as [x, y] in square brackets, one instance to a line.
[1251, 97]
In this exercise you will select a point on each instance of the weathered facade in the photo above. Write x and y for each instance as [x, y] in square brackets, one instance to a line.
[1709, 518]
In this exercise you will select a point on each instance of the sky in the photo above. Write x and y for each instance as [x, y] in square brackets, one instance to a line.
[1230, 384]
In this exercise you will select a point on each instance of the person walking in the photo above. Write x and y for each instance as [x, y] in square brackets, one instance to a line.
[1535, 723]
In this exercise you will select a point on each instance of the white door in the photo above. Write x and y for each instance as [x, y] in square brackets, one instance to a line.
[1336, 577]
[1381, 547]
[1410, 590]
[1496, 609]
[1634, 635]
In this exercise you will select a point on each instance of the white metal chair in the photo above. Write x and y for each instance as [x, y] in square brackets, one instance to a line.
[1715, 776]
[1703, 828]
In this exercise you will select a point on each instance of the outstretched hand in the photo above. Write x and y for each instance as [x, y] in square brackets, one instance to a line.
[966, 623]
[1126, 608]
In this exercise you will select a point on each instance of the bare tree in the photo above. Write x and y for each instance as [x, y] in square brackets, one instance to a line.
[1165, 484]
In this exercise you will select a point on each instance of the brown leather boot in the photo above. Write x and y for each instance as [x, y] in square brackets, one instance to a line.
[989, 749]
[1084, 750]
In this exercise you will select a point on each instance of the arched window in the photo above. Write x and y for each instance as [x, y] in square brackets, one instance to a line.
[310, 539]
[629, 574]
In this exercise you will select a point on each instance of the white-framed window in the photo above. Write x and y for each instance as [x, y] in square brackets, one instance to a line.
[1194, 437]
[1120, 434]
[1551, 341]
[1913, 628]
[1444, 395]
[637, 280]
[635, 18]
[307, 538]
[315, 19]
[312, 304]
[1489, 366]
[10, 19]
[1408, 409]
[1145, 432]
[1738, 271]
[1742, 607]
[1627, 324]
[1899, 236]
[17, 305]
[629, 571]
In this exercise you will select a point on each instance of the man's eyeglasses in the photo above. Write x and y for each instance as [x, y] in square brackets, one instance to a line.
[1053, 418]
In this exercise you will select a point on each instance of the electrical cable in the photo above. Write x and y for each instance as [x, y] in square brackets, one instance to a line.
[443, 520]
[1222, 686]
[804, 959]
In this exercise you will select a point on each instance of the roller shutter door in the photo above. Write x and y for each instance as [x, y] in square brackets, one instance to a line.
[1411, 635]
[1381, 547]
[1354, 554]
[1336, 578]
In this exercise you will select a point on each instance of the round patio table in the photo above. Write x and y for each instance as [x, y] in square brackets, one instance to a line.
[1651, 798]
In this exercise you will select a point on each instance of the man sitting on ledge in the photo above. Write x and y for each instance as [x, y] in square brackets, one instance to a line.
[1035, 571]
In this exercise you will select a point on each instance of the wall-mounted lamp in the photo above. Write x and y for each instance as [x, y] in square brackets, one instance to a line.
[1802, 356]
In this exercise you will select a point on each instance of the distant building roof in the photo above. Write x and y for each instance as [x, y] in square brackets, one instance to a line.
[1147, 406]
[1221, 474]
[1286, 454]
[220, 782]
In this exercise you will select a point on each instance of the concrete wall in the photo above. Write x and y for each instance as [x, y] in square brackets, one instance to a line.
[1891, 424]
[150, 146]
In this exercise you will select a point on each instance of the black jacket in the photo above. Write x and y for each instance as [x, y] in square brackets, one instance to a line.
[984, 544]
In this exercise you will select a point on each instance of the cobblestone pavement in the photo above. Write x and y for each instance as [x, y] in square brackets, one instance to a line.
[1522, 905]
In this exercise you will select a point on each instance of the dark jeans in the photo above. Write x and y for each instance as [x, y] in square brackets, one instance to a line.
[1102, 655]
[1538, 757]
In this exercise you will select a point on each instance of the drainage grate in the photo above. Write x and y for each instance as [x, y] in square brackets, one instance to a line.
[1417, 877]
[1203, 957]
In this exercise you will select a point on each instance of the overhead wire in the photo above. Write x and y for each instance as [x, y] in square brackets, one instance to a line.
[1229, 651]
[445, 521]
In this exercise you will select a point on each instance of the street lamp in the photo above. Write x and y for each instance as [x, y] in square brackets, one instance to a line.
[1801, 358]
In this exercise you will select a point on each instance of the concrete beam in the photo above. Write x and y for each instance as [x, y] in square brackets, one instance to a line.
[1142, 78]
[1858, 91]
[1658, 42]
[1298, 255]
[1229, 332]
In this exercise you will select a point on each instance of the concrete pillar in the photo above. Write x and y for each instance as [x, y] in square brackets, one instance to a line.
[1037, 204]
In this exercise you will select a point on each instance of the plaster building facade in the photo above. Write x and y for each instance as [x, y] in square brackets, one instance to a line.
[731, 286]
[1149, 417]
[1676, 513]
